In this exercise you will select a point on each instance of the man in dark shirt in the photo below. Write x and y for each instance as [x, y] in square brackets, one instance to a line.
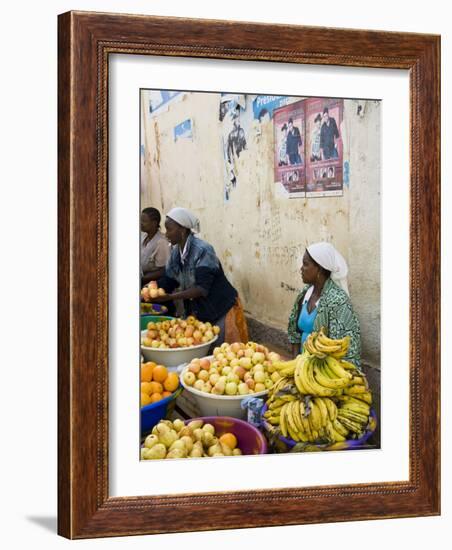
[328, 134]
[293, 143]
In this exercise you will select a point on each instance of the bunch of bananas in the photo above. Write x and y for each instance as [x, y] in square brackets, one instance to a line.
[319, 345]
[319, 396]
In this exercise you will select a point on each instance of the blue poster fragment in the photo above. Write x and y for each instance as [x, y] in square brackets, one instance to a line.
[264, 105]
[183, 130]
[346, 173]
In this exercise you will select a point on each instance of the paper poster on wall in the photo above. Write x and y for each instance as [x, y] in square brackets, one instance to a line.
[233, 139]
[289, 159]
[264, 105]
[324, 152]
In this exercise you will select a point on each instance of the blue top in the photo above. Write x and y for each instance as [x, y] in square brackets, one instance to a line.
[306, 321]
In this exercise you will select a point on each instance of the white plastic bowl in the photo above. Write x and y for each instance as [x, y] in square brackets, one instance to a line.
[174, 357]
[219, 405]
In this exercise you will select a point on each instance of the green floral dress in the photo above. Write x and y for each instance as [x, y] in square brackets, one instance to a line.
[335, 313]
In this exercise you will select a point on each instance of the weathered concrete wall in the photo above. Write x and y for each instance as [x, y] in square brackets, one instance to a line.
[260, 236]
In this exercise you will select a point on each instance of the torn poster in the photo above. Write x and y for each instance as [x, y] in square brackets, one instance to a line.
[183, 130]
[233, 139]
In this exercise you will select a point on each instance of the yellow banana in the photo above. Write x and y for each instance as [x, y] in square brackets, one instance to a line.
[310, 346]
[315, 417]
[326, 348]
[331, 407]
[282, 420]
[308, 380]
[326, 381]
[355, 416]
[363, 409]
[333, 434]
[340, 428]
[307, 428]
[356, 389]
[297, 415]
[353, 426]
[366, 396]
[297, 377]
[322, 336]
[336, 368]
[319, 401]
[347, 365]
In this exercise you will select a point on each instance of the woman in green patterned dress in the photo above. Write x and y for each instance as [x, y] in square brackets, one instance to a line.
[324, 301]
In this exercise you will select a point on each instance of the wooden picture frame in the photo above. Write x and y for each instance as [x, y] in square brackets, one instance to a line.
[85, 42]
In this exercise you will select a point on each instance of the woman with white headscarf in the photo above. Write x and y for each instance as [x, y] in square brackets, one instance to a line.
[196, 272]
[324, 301]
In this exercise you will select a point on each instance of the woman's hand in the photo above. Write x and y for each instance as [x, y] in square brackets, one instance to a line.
[161, 299]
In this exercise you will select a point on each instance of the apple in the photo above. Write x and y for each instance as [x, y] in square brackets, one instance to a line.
[203, 375]
[243, 388]
[194, 367]
[239, 371]
[259, 376]
[231, 388]
[189, 378]
[245, 362]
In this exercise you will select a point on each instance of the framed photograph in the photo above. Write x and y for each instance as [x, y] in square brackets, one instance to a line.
[268, 138]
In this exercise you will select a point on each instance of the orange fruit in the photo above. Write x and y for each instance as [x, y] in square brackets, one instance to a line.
[145, 399]
[155, 387]
[146, 371]
[159, 373]
[146, 387]
[229, 439]
[156, 397]
[166, 394]
[172, 382]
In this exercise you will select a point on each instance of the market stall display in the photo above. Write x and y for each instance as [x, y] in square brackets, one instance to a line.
[202, 437]
[321, 398]
[221, 382]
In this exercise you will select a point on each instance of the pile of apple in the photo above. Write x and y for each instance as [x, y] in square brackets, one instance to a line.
[234, 369]
[174, 439]
[179, 333]
[151, 290]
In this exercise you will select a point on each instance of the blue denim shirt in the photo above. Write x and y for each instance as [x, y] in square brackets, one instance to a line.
[200, 267]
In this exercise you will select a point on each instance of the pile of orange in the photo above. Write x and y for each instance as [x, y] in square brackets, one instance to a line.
[156, 383]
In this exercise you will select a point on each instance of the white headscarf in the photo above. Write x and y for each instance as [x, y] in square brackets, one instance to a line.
[329, 258]
[184, 218]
